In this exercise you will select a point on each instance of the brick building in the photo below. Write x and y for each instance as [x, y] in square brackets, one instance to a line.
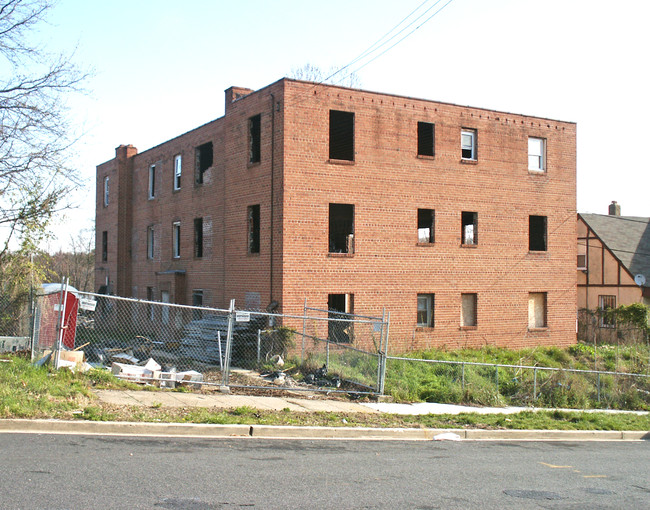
[460, 221]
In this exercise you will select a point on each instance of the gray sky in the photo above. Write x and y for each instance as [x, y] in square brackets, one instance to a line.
[160, 69]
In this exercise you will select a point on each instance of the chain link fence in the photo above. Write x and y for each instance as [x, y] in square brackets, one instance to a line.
[15, 324]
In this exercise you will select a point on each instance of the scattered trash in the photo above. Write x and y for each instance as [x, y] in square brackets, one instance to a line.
[320, 378]
[446, 436]
[277, 360]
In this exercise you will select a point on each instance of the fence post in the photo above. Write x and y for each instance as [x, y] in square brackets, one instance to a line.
[259, 345]
[381, 356]
[497, 378]
[231, 320]
[463, 375]
[598, 386]
[304, 330]
[535, 384]
[60, 328]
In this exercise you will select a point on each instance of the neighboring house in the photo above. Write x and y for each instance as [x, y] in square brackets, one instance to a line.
[613, 259]
[457, 220]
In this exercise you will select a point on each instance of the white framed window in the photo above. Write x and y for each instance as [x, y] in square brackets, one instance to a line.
[178, 165]
[152, 181]
[537, 310]
[536, 154]
[106, 191]
[425, 310]
[468, 144]
[150, 242]
[176, 239]
[468, 311]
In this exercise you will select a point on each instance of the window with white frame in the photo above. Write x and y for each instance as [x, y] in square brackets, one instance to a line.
[150, 242]
[468, 144]
[537, 310]
[425, 310]
[106, 191]
[176, 239]
[152, 181]
[178, 165]
[536, 154]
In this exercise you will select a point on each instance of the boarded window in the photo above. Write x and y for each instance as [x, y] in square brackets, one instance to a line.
[537, 233]
[198, 237]
[254, 139]
[425, 310]
[469, 228]
[341, 228]
[341, 135]
[150, 242]
[426, 225]
[106, 191]
[468, 315]
[425, 139]
[203, 160]
[537, 310]
[254, 229]
[104, 246]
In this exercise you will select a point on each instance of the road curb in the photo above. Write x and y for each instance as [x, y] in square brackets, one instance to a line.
[203, 430]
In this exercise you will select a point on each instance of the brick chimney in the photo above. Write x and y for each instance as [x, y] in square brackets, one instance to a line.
[614, 209]
[235, 93]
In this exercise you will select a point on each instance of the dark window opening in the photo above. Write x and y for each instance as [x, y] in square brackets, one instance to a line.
[254, 139]
[425, 139]
[537, 233]
[203, 160]
[469, 231]
[197, 300]
[426, 225]
[104, 246]
[254, 229]
[150, 297]
[341, 135]
[198, 237]
[341, 228]
[340, 307]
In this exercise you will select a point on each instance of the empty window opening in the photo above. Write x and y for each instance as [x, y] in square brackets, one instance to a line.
[150, 242]
[537, 233]
[426, 225]
[197, 300]
[152, 181]
[469, 232]
[606, 307]
[203, 160]
[340, 307]
[176, 239]
[341, 135]
[198, 237]
[341, 228]
[468, 315]
[178, 166]
[150, 297]
[426, 139]
[468, 144]
[536, 310]
[536, 154]
[425, 310]
[254, 139]
[104, 246]
[106, 191]
[254, 229]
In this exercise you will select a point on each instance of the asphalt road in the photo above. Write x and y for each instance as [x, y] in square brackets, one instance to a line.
[65, 471]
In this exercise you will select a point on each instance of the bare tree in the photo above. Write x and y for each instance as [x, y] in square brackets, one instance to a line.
[78, 264]
[35, 133]
[310, 72]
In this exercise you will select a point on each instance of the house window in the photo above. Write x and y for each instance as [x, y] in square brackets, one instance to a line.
[203, 160]
[254, 139]
[106, 191]
[537, 233]
[150, 242]
[254, 229]
[469, 228]
[152, 181]
[537, 310]
[426, 139]
[341, 135]
[606, 305]
[340, 307]
[468, 144]
[468, 316]
[198, 237]
[426, 225]
[536, 154]
[425, 310]
[341, 228]
[582, 254]
[178, 166]
[104, 246]
[176, 239]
